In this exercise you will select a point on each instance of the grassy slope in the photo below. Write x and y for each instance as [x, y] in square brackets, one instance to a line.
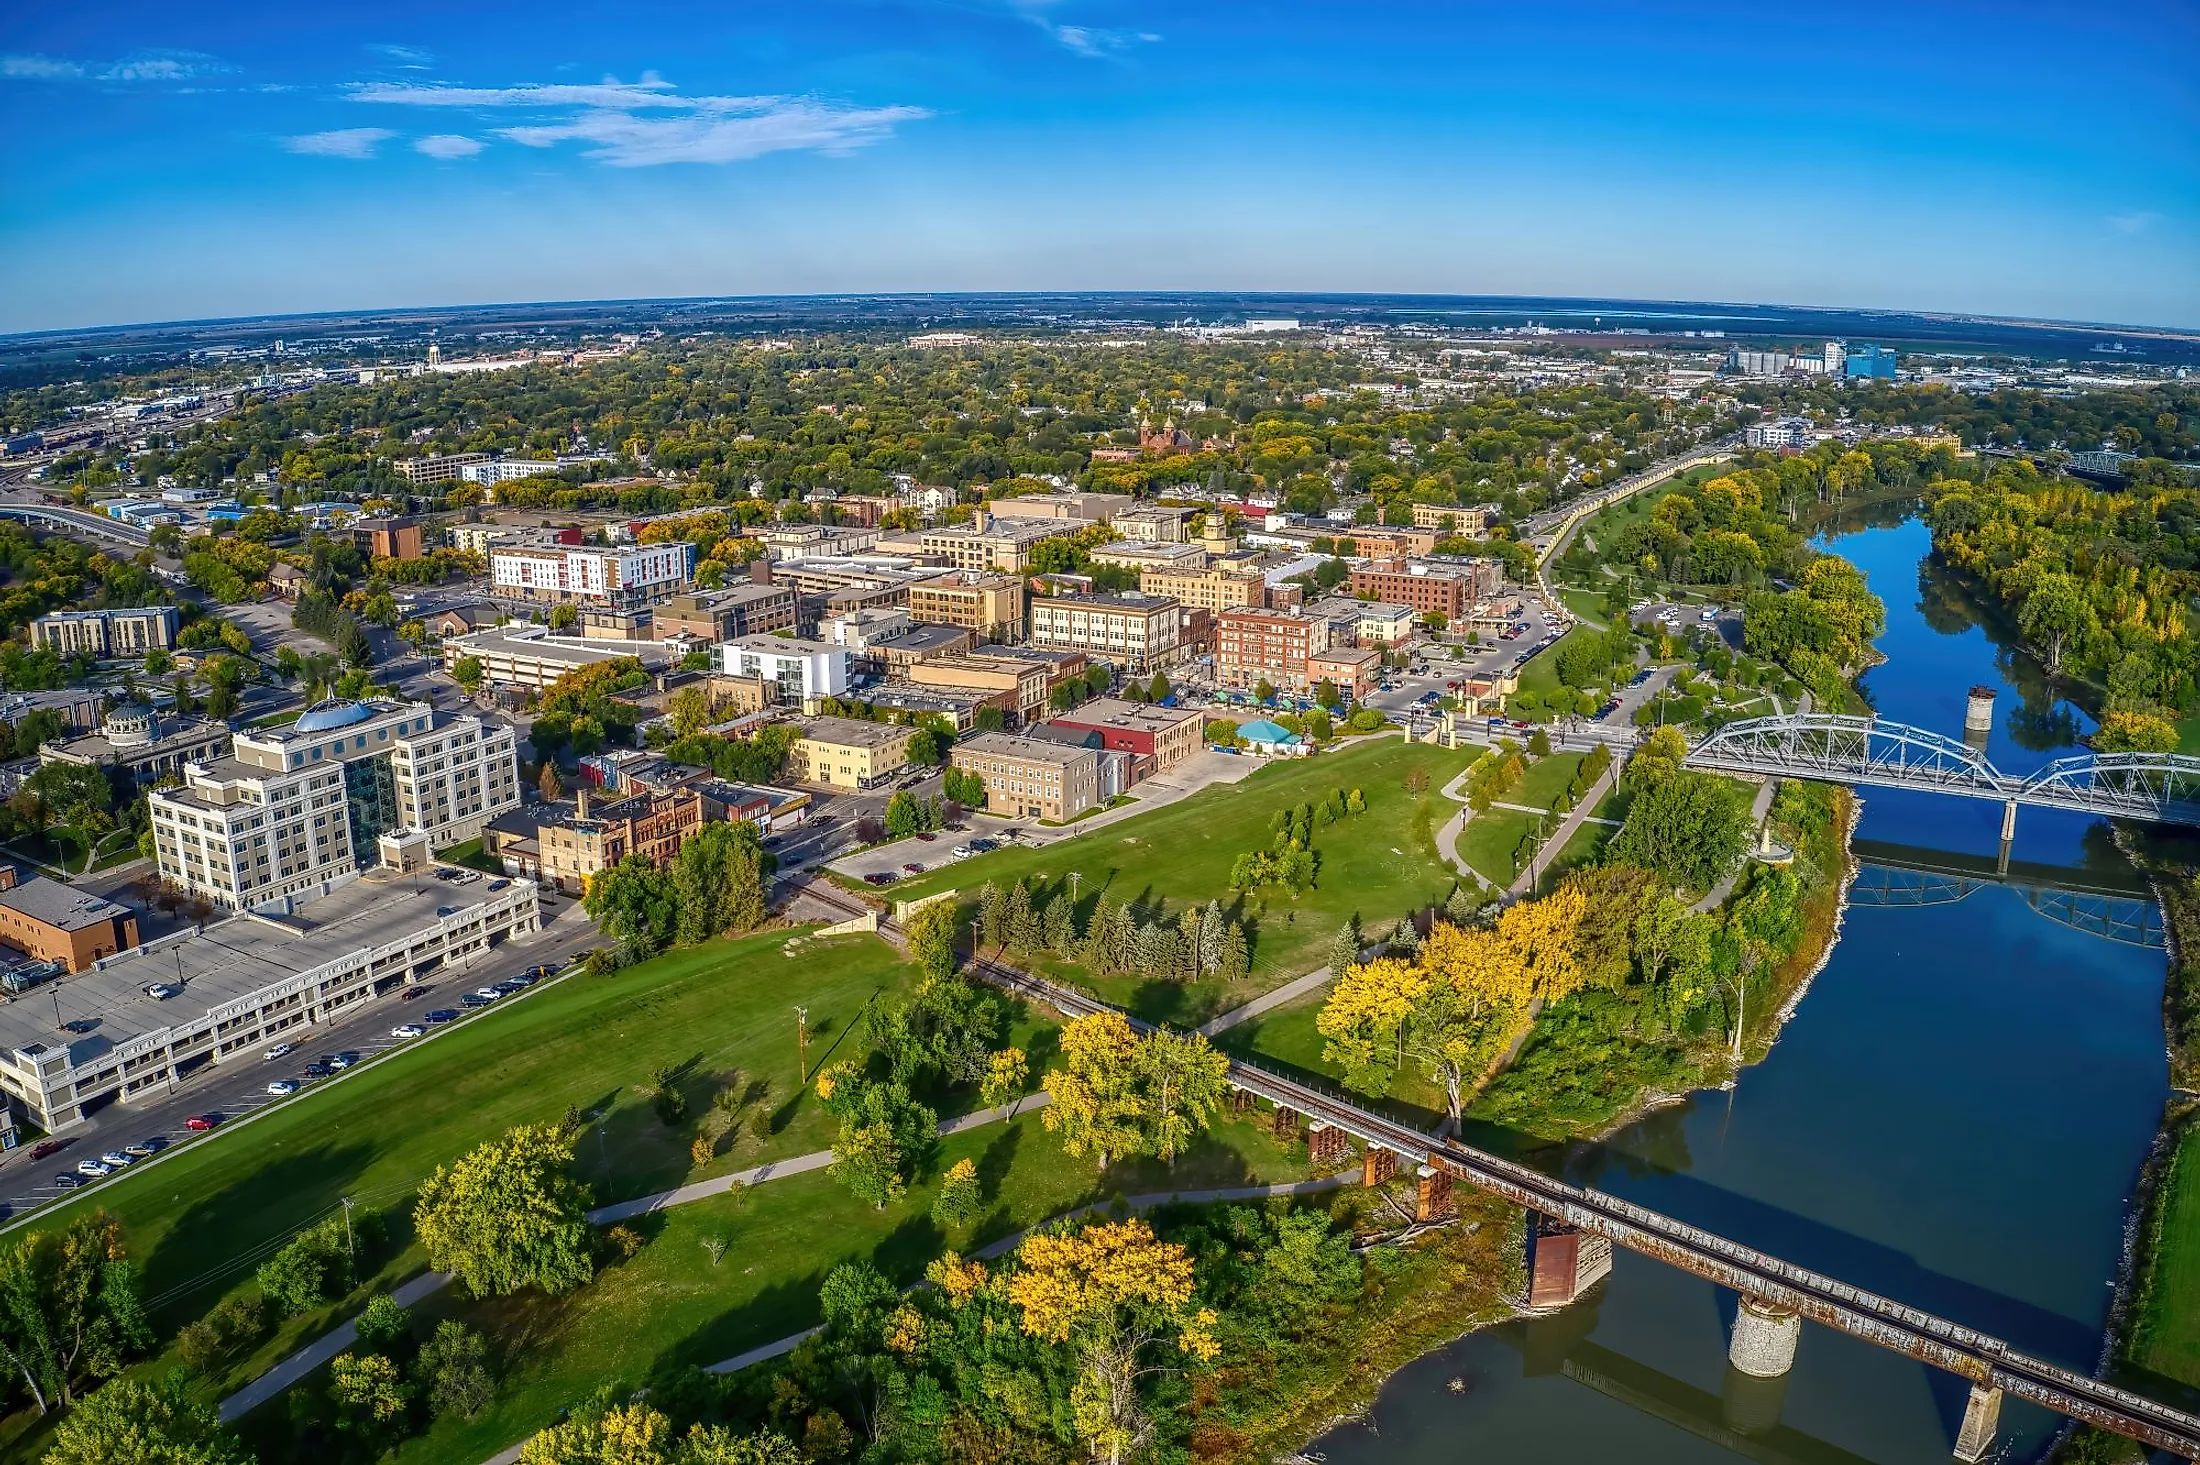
[1373, 864]
[198, 1222]
[670, 1306]
[2166, 1337]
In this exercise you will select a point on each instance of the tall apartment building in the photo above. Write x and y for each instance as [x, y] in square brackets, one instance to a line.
[1000, 546]
[802, 671]
[1067, 511]
[1139, 634]
[1031, 778]
[439, 468]
[1154, 523]
[106, 632]
[724, 615]
[990, 604]
[590, 838]
[1214, 587]
[1254, 645]
[625, 577]
[294, 811]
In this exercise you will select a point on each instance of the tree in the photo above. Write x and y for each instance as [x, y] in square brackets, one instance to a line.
[931, 940]
[467, 672]
[1263, 690]
[1006, 1073]
[1185, 1082]
[69, 1309]
[509, 1215]
[2126, 731]
[1119, 1297]
[452, 1370]
[904, 814]
[369, 1393]
[625, 1434]
[552, 787]
[1688, 827]
[633, 904]
[959, 1198]
[884, 1134]
[2054, 611]
[721, 881]
[1097, 1104]
[136, 1422]
[1344, 948]
[1659, 757]
[689, 710]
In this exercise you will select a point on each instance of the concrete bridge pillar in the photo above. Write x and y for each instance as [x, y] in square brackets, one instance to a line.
[1981, 1421]
[1765, 1335]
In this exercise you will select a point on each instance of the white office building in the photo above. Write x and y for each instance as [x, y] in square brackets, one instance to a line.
[293, 812]
[804, 671]
[623, 578]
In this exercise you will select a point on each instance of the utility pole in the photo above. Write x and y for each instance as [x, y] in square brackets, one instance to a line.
[802, 1044]
[347, 1229]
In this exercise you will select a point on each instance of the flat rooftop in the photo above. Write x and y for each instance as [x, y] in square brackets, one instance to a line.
[226, 960]
[1115, 712]
[851, 732]
[560, 650]
[63, 907]
[1034, 750]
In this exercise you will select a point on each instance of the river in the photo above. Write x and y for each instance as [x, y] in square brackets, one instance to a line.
[1955, 1116]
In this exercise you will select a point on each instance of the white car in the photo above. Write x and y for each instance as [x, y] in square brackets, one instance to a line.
[160, 991]
[116, 1159]
[282, 1088]
[93, 1168]
[407, 1030]
[280, 1050]
[487, 994]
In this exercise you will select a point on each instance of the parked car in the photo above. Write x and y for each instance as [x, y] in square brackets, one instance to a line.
[962, 852]
[519, 983]
[93, 1168]
[510, 985]
[318, 1070]
[490, 994]
[146, 1148]
[46, 1147]
[341, 1061]
[413, 992]
[926, 836]
[407, 1030]
[117, 1160]
[161, 991]
[280, 1050]
[67, 1181]
[282, 1087]
[202, 1121]
[912, 868]
[470, 1000]
[443, 1014]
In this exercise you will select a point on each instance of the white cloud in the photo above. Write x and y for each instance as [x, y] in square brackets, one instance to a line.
[2134, 223]
[1096, 41]
[411, 58]
[138, 66]
[447, 145]
[344, 142]
[645, 123]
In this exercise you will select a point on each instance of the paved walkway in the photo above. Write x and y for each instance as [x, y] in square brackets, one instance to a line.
[1290, 991]
[1524, 883]
[321, 1350]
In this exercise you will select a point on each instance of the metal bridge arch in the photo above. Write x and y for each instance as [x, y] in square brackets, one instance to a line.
[1876, 753]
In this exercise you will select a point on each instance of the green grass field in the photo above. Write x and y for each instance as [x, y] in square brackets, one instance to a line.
[197, 1223]
[1583, 848]
[670, 1305]
[1545, 780]
[1540, 675]
[1378, 865]
[2166, 1340]
[1490, 840]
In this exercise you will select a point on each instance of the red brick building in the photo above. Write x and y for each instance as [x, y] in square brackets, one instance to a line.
[1253, 645]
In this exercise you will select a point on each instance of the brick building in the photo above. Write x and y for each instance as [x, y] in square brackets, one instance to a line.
[1254, 645]
[1031, 778]
[1168, 735]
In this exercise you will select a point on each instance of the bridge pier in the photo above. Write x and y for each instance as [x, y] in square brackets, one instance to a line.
[1432, 1198]
[1377, 1165]
[2008, 835]
[1564, 1262]
[1981, 1421]
[1326, 1144]
[1765, 1335]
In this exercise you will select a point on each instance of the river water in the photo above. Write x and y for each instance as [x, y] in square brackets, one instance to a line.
[1955, 1117]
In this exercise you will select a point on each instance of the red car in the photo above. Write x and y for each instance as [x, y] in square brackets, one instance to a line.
[201, 1121]
[46, 1147]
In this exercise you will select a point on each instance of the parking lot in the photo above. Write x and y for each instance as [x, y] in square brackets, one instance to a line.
[239, 1087]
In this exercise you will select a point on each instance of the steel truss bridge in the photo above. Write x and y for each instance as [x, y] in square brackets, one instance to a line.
[1867, 751]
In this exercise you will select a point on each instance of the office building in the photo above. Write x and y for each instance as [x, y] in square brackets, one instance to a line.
[106, 633]
[728, 614]
[1031, 778]
[919, 644]
[1794, 433]
[1253, 645]
[1141, 634]
[1355, 671]
[1167, 735]
[1873, 362]
[1212, 587]
[1450, 588]
[142, 744]
[625, 577]
[1450, 519]
[1003, 547]
[80, 708]
[295, 811]
[389, 538]
[437, 468]
[1068, 512]
[50, 921]
[1380, 625]
[1154, 524]
[843, 752]
[245, 982]
[588, 837]
[803, 671]
[1024, 684]
[990, 604]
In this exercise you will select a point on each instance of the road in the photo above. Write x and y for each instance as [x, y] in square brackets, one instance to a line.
[239, 1087]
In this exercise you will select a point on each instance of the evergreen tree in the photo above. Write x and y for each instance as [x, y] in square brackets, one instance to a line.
[992, 916]
[1188, 947]
[1024, 932]
[1059, 921]
[1236, 960]
[1344, 947]
[1211, 927]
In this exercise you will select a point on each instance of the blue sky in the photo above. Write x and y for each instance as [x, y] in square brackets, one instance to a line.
[177, 161]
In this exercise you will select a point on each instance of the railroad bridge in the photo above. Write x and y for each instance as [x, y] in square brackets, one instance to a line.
[1580, 1226]
[1874, 753]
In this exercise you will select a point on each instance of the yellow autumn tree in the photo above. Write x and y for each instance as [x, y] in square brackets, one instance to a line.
[1477, 985]
[1096, 1104]
[1122, 1299]
[1543, 933]
[1363, 1022]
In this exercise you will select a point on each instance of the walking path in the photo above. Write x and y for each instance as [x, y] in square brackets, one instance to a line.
[321, 1350]
[1290, 991]
[1524, 883]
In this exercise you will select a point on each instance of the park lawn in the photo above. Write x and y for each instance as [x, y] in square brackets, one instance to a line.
[1587, 604]
[1545, 780]
[1285, 1038]
[1541, 673]
[670, 1306]
[1584, 848]
[1614, 803]
[2188, 734]
[1377, 865]
[198, 1222]
[2166, 1341]
[1489, 840]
